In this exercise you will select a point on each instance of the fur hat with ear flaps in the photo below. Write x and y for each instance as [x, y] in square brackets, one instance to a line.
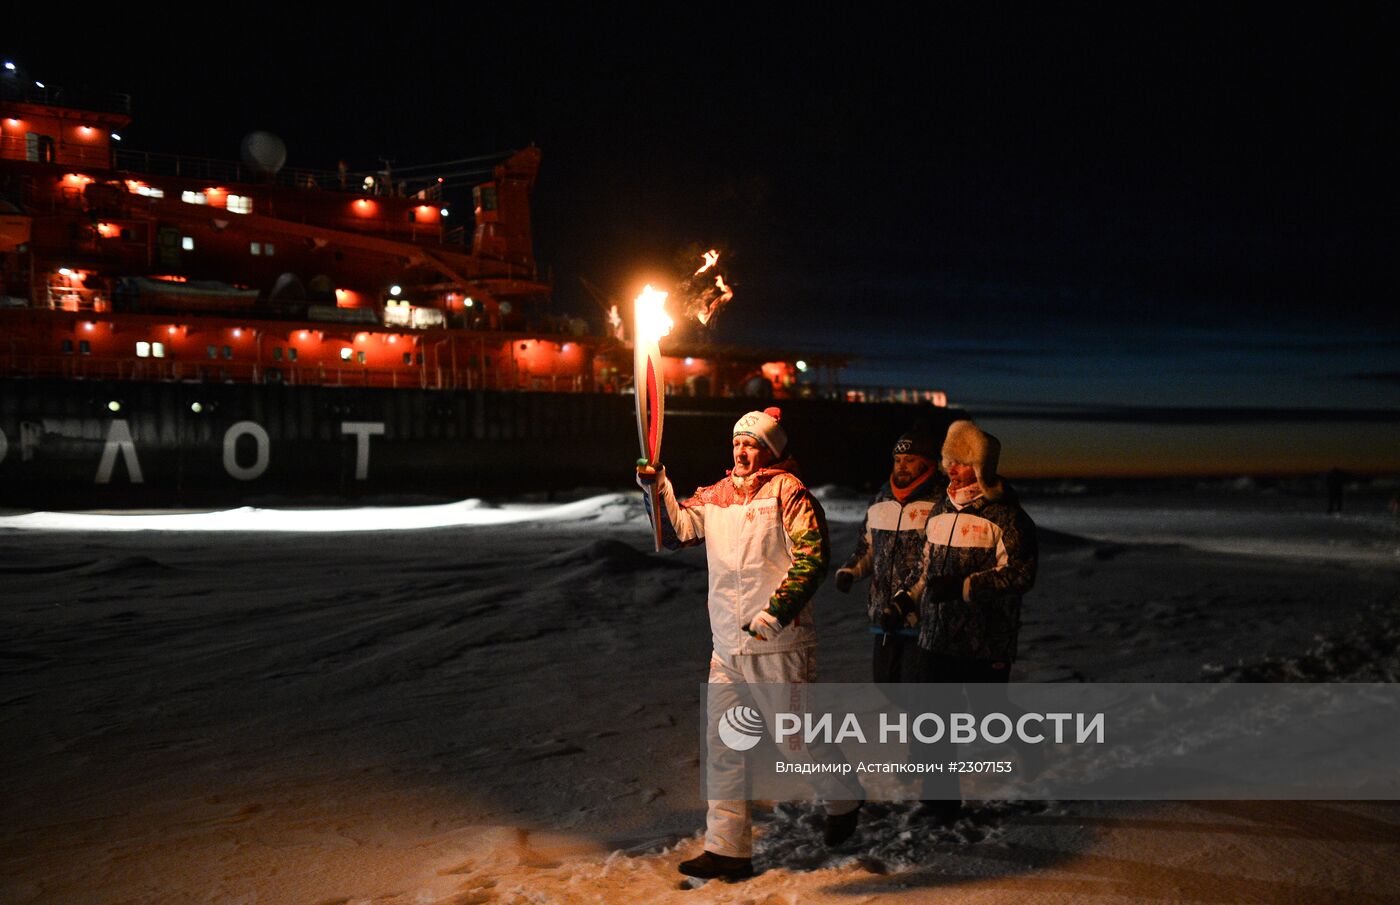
[968, 444]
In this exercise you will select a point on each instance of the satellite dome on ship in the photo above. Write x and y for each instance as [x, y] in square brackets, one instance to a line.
[263, 152]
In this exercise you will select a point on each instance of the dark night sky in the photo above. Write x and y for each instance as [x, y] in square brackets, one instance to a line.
[1022, 206]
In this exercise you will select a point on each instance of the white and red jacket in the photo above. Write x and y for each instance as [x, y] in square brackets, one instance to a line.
[766, 542]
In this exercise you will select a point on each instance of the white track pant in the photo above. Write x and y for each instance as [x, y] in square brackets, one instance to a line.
[729, 823]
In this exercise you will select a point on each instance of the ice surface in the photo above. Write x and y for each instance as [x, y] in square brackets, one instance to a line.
[1367, 538]
[499, 704]
[612, 508]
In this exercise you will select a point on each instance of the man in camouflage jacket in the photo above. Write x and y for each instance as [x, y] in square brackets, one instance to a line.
[980, 557]
[890, 553]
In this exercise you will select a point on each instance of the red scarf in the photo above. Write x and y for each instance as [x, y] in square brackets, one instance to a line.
[902, 493]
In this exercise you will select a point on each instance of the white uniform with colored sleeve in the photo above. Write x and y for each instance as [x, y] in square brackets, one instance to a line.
[765, 543]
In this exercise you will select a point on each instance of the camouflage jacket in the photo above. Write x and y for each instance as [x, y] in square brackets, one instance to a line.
[891, 546]
[992, 543]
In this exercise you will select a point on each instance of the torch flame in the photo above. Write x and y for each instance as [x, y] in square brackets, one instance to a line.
[707, 309]
[651, 318]
[710, 257]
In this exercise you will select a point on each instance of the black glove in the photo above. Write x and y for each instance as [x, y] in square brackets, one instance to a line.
[943, 588]
[900, 612]
[844, 579]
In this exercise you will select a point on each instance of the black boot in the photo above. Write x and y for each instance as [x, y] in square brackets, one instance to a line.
[838, 828]
[939, 813]
[710, 866]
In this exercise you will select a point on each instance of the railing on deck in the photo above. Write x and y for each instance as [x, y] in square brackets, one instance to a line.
[906, 395]
[26, 91]
[148, 162]
[206, 168]
[77, 365]
[71, 298]
[80, 366]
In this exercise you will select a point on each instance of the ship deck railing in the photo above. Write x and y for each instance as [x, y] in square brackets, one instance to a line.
[28, 92]
[72, 298]
[152, 163]
[77, 365]
[895, 394]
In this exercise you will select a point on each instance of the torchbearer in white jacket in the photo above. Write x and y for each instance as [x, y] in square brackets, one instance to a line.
[766, 545]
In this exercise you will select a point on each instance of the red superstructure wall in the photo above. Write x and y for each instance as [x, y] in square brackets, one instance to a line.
[58, 135]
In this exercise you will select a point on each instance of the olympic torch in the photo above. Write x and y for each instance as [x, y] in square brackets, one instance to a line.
[650, 324]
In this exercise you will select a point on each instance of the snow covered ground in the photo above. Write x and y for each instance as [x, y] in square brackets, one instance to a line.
[473, 703]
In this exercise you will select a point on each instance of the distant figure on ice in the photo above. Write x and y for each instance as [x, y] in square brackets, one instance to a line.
[890, 552]
[1336, 481]
[980, 557]
[766, 546]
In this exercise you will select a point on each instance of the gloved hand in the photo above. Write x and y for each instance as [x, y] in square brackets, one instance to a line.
[844, 579]
[900, 612]
[647, 475]
[765, 626]
[944, 588]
